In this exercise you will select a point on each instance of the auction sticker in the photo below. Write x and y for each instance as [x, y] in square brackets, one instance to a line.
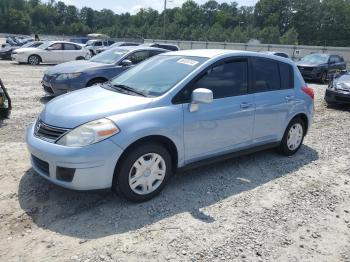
[186, 61]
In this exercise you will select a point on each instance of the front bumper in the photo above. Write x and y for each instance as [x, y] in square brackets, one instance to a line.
[333, 96]
[5, 55]
[311, 75]
[19, 58]
[93, 165]
[53, 87]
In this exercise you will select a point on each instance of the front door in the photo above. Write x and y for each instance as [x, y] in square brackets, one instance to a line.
[227, 122]
[54, 54]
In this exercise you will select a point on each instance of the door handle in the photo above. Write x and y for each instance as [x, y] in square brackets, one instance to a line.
[246, 105]
[289, 98]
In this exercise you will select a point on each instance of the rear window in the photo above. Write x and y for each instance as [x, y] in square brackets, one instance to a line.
[266, 75]
[271, 75]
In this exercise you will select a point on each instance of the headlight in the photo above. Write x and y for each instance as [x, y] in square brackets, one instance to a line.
[89, 133]
[67, 76]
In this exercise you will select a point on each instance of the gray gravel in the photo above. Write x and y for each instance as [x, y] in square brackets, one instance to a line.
[261, 207]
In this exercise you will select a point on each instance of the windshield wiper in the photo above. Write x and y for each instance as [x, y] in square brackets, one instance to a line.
[129, 89]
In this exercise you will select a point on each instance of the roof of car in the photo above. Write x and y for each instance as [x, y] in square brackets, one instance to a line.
[211, 53]
[132, 48]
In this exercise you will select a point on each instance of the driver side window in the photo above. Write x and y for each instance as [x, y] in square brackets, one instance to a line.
[138, 57]
[57, 46]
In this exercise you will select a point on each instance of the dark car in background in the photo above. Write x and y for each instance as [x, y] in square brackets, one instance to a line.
[75, 75]
[6, 51]
[338, 91]
[117, 44]
[169, 47]
[281, 54]
[320, 67]
[5, 102]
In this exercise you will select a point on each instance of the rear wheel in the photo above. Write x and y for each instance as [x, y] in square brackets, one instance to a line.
[143, 172]
[34, 60]
[293, 137]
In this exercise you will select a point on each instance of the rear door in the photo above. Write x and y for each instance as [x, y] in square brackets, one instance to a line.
[71, 52]
[273, 88]
[225, 124]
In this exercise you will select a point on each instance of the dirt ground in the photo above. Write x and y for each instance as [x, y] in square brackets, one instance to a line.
[261, 207]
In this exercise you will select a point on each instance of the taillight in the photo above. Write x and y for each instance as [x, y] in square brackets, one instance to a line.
[309, 91]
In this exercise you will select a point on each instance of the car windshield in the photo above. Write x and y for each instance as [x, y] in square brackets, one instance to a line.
[109, 57]
[158, 74]
[316, 59]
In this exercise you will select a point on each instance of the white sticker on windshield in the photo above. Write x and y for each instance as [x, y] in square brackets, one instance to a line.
[186, 61]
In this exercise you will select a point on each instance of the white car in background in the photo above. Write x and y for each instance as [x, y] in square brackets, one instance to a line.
[52, 52]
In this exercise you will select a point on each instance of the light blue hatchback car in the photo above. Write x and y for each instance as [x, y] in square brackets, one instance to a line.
[171, 111]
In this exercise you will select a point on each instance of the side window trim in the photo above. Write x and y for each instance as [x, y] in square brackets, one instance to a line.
[177, 99]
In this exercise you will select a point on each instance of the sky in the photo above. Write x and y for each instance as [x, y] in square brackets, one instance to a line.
[133, 6]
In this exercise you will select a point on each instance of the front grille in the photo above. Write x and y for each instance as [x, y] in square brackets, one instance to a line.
[42, 165]
[48, 89]
[47, 132]
[305, 69]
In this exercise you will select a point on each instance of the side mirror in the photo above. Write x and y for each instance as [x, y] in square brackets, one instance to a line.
[126, 62]
[200, 96]
[49, 48]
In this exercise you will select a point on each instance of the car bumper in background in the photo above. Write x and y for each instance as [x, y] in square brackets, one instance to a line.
[311, 75]
[55, 88]
[332, 96]
[80, 168]
[19, 58]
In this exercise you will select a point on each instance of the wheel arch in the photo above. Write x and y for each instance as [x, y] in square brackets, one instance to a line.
[304, 118]
[41, 60]
[159, 139]
[94, 79]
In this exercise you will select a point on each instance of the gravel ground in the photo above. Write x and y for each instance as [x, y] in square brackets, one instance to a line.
[261, 207]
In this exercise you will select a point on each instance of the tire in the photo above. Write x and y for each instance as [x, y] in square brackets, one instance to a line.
[95, 81]
[154, 164]
[34, 60]
[292, 140]
[92, 53]
[323, 78]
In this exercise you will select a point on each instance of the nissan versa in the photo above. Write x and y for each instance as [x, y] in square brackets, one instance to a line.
[170, 111]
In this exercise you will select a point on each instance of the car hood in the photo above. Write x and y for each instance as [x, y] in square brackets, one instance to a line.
[88, 104]
[306, 64]
[74, 67]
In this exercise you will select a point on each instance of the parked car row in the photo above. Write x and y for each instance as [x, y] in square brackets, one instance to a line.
[7, 50]
[169, 110]
[51, 52]
[75, 75]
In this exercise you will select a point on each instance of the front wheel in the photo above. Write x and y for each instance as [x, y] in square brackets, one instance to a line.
[34, 60]
[293, 137]
[143, 172]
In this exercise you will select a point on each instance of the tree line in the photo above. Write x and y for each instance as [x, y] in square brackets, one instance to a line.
[309, 22]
